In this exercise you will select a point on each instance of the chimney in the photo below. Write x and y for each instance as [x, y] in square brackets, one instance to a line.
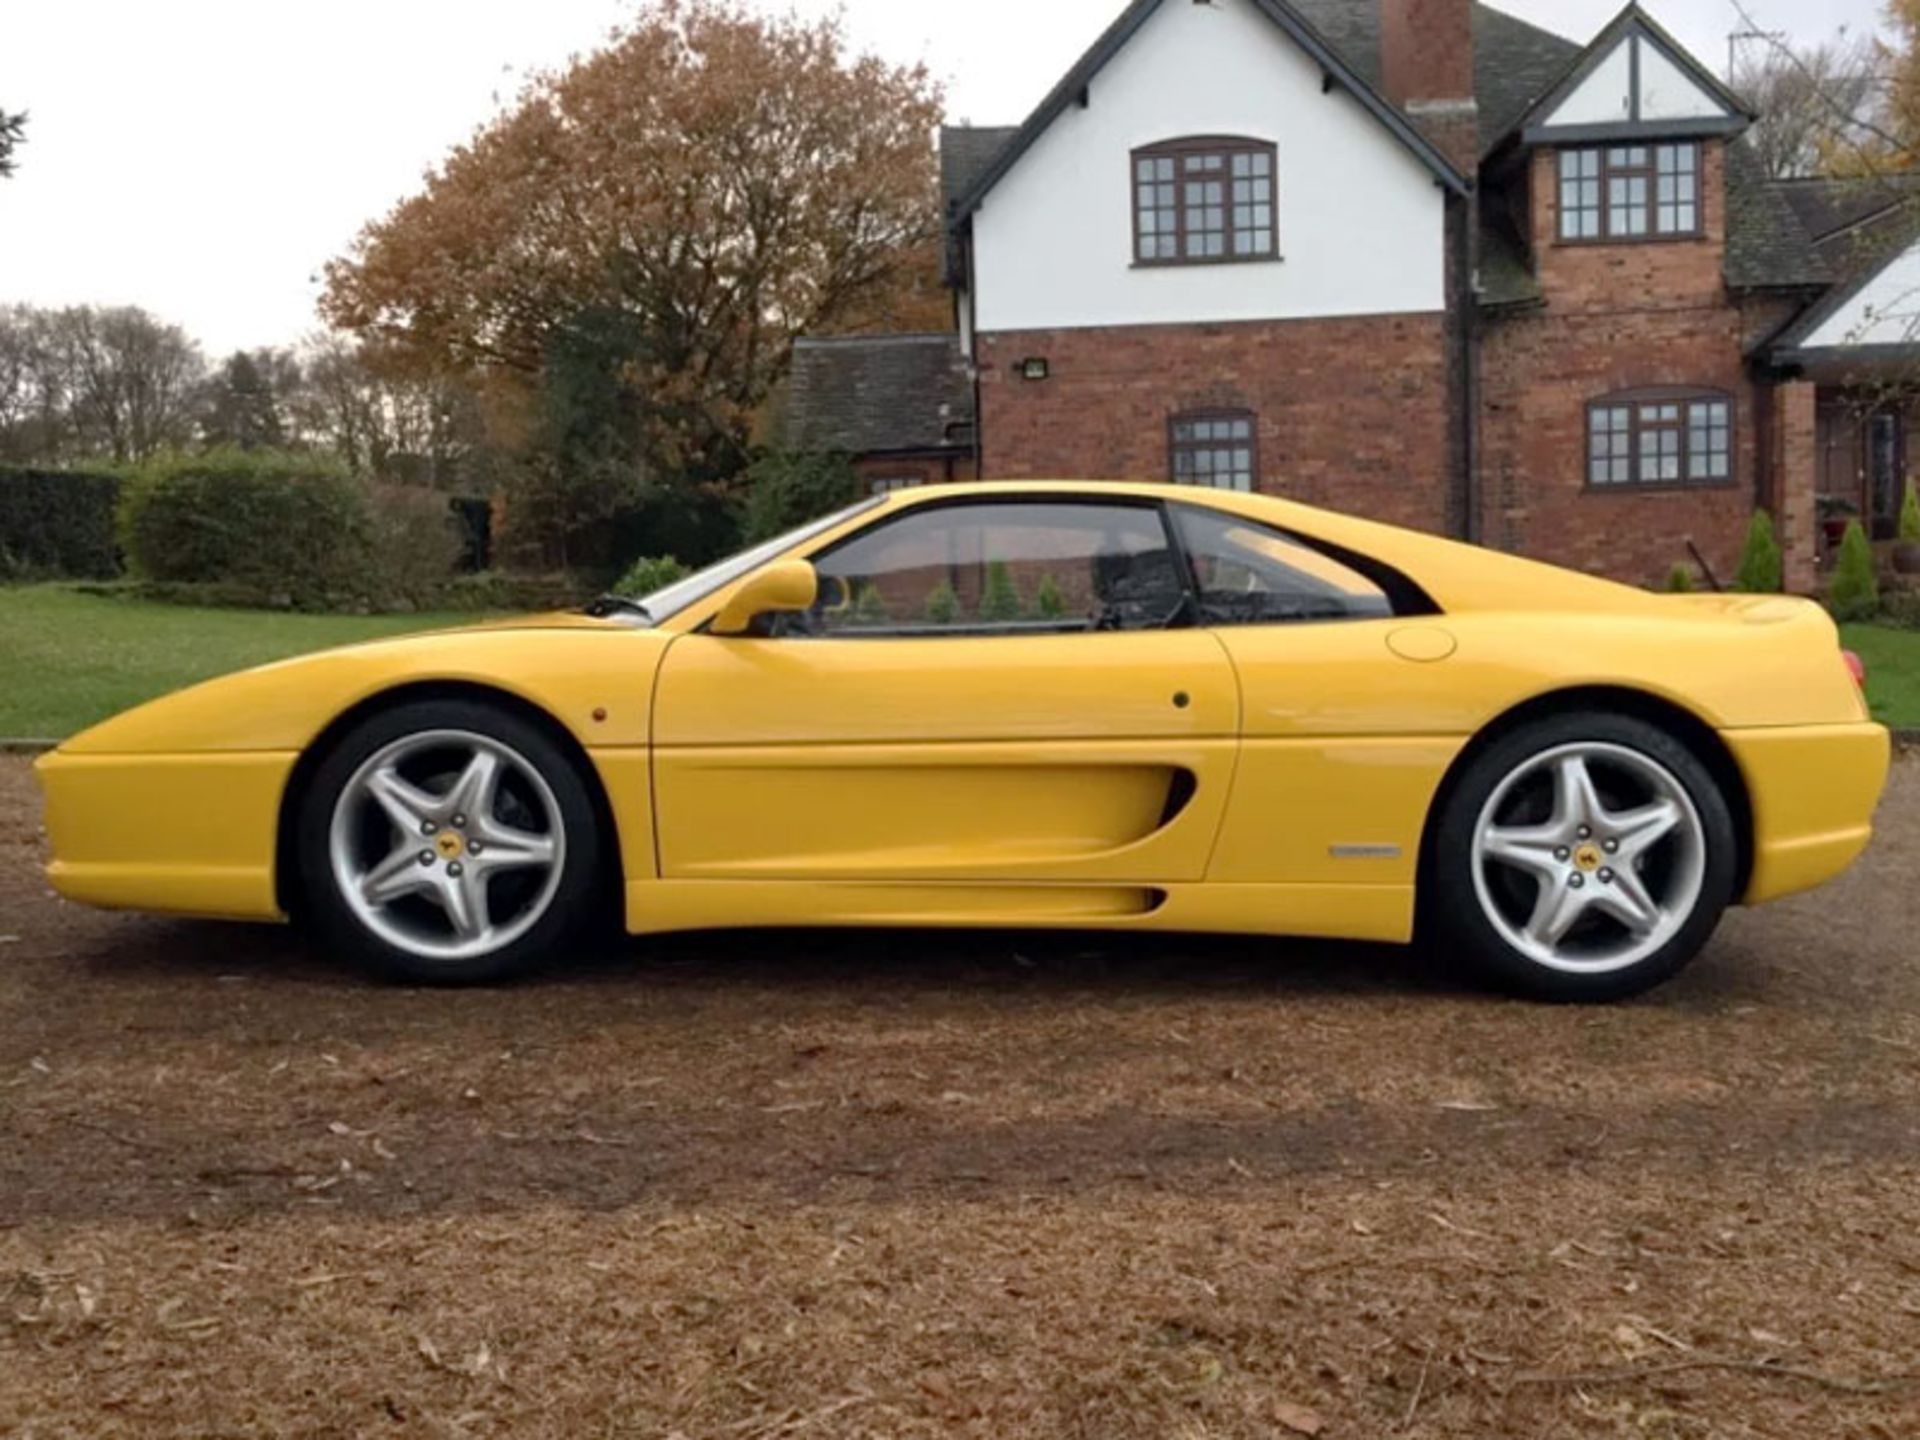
[1426, 68]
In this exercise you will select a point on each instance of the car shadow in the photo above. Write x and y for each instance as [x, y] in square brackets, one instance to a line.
[860, 962]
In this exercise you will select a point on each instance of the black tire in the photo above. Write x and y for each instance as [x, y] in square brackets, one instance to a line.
[1454, 917]
[576, 898]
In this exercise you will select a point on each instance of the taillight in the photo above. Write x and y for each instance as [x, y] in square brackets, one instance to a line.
[1856, 667]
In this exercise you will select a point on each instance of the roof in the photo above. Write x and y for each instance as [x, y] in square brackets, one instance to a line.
[966, 152]
[1327, 54]
[1768, 247]
[1514, 63]
[1828, 206]
[864, 394]
[1864, 240]
[1505, 276]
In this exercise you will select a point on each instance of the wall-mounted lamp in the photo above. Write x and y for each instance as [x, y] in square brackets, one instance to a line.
[1034, 368]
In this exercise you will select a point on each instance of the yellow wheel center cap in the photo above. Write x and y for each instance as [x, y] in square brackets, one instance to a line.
[1587, 857]
[449, 844]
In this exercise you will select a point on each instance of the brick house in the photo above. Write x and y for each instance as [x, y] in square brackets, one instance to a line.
[1413, 259]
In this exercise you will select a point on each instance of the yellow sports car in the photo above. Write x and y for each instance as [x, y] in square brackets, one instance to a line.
[1094, 705]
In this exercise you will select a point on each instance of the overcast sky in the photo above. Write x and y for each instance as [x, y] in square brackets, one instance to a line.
[203, 158]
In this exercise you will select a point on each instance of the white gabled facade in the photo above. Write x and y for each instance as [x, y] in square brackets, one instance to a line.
[1638, 81]
[1884, 310]
[1361, 220]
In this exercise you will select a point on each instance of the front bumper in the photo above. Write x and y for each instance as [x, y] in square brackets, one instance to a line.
[182, 834]
[1814, 790]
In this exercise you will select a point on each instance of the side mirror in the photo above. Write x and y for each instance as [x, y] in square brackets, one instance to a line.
[784, 585]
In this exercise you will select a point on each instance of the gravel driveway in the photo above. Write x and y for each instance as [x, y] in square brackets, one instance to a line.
[985, 1186]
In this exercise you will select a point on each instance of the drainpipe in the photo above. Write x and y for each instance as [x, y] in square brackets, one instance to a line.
[1469, 262]
[973, 363]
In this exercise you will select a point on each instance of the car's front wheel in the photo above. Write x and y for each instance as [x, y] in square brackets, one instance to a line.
[1584, 857]
[448, 841]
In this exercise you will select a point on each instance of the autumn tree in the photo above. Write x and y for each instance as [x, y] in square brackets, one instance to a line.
[1894, 142]
[681, 205]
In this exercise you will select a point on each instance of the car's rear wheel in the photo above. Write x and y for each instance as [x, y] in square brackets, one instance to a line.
[1585, 857]
[448, 842]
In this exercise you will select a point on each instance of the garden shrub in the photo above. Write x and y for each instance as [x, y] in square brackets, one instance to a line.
[416, 542]
[494, 591]
[1854, 591]
[870, 607]
[58, 525]
[1048, 602]
[286, 526]
[287, 530]
[1680, 580]
[1760, 571]
[1901, 608]
[786, 488]
[648, 574]
[943, 605]
[1000, 601]
[1910, 514]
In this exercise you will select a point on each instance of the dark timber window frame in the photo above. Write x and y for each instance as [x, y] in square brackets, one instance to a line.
[1247, 173]
[1637, 431]
[1617, 194]
[1191, 446]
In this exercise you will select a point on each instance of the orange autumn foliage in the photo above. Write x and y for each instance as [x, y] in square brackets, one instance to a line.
[723, 181]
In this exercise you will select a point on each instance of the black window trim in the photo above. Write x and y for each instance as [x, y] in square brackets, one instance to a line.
[1204, 414]
[1177, 149]
[1652, 235]
[1408, 599]
[1682, 395]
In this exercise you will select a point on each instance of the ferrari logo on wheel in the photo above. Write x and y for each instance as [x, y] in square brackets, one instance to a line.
[449, 844]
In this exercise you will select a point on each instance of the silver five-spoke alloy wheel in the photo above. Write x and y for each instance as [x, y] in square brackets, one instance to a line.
[447, 844]
[1589, 858]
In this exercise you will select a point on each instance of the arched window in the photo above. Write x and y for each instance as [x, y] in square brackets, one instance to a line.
[1218, 448]
[1204, 201]
[1671, 435]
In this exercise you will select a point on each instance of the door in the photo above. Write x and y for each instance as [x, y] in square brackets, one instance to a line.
[1347, 721]
[1885, 473]
[1002, 690]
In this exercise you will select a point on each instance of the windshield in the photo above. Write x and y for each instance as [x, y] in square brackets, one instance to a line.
[670, 600]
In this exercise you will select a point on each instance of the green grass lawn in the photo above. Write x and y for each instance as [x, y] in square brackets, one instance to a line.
[69, 659]
[1893, 671]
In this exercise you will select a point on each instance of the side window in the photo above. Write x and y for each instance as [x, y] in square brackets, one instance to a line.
[999, 568]
[1247, 574]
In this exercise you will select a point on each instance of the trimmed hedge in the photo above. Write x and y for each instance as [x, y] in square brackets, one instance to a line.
[284, 531]
[58, 525]
[279, 524]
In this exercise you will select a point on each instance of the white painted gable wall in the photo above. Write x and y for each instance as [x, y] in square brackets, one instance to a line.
[1667, 94]
[1605, 97]
[1885, 312]
[1361, 220]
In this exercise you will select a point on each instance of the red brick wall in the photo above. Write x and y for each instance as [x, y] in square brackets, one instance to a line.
[1352, 412]
[1616, 317]
[1794, 430]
